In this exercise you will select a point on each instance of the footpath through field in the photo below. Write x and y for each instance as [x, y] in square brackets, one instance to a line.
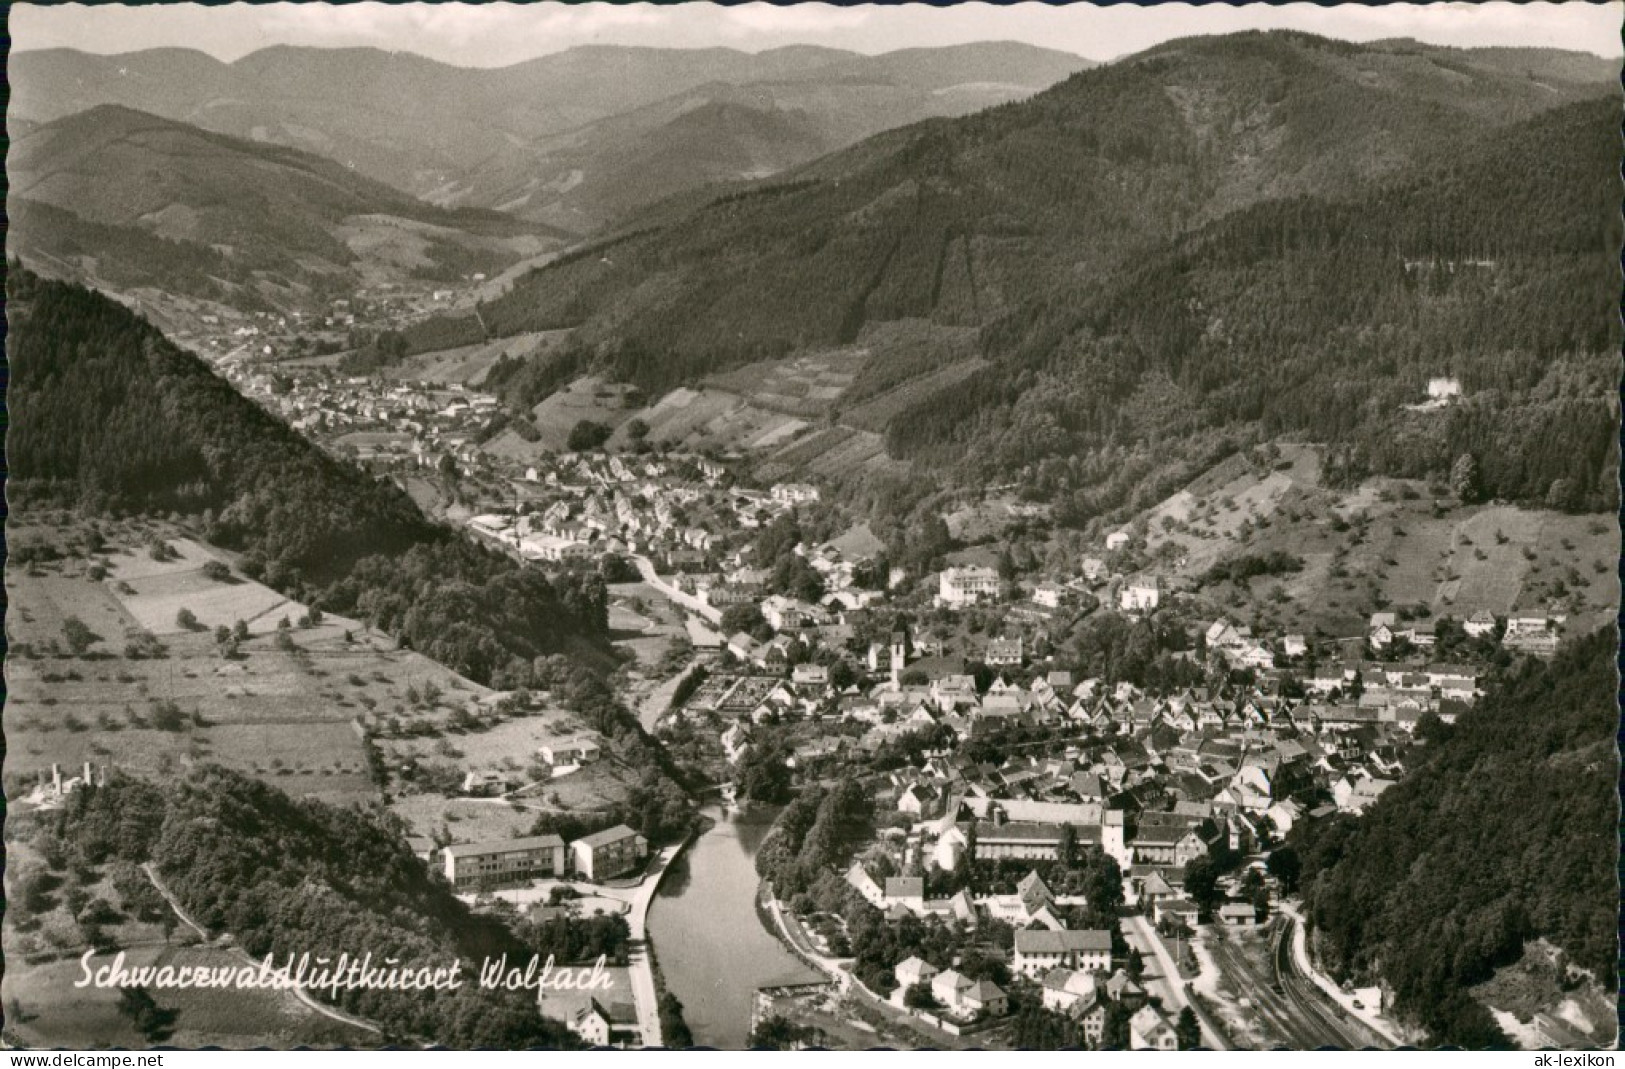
[298, 992]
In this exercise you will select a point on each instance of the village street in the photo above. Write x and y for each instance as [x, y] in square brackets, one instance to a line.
[646, 569]
[1162, 974]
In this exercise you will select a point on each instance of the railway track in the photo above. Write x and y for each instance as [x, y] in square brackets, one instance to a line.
[1294, 1015]
[1301, 992]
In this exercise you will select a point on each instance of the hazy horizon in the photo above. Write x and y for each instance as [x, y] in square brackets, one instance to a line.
[500, 35]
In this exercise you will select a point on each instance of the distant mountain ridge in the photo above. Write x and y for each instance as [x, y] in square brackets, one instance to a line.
[466, 135]
[134, 199]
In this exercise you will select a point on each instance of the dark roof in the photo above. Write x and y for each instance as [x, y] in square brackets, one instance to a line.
[1017, 831]
[1043, 941]
[607, 836]
[504, 846]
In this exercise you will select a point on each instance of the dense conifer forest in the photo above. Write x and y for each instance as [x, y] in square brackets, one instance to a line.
[1505, 832]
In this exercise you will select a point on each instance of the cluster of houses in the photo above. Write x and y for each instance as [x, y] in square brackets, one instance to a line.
[562, 755]
[671, 509]
[384, 425]
[955, 994]
[1350, 721]
[1083, 995]
[1073, 971]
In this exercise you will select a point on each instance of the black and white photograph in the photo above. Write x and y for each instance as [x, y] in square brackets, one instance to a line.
[1032, 527]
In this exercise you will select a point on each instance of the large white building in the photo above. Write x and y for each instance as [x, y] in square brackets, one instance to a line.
[967, 586]
[794, 493]
[1142, 595]
[1038, 951]
[505, 862]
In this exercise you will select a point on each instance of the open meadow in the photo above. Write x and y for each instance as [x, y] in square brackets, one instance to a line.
[1386, 544]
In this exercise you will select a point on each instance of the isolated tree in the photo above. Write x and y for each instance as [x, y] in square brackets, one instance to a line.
[1464, 481]
[1188, 1030]
[1104, 887]
[78, 636]
[155, 1023]
[1066, 851]
[167, 716]
[1285, 865]
[587, 435]
[1114, 1030]
[1202, 883]
[637, 429]
[919, 997]
[216, 571]
[744, 617]
[764, 774]
[186, 620]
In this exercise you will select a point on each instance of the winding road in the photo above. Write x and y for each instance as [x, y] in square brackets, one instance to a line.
[304, 997]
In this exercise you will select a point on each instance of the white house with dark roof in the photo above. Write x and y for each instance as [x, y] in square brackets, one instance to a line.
[1039, 951]
[1149, 1029]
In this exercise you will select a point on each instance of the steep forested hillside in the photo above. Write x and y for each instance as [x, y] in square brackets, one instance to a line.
[288, 877]
[1323, 319]
[109, 416]
[1505, 831]
[1215, 242]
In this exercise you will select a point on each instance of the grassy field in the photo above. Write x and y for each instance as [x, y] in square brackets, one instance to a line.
[804, 386]
[696, 418]
[87, 1018]
[277, 713]
[874, 413]
[288, 714]
[468, 364]
[589, 398]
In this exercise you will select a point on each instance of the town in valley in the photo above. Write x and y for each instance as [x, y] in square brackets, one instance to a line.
[978, 654]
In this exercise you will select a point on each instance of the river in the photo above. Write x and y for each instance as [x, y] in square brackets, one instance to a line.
[713, 950]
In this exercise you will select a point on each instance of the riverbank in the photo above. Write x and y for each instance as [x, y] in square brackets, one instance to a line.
[713, 952]
[640, 957]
